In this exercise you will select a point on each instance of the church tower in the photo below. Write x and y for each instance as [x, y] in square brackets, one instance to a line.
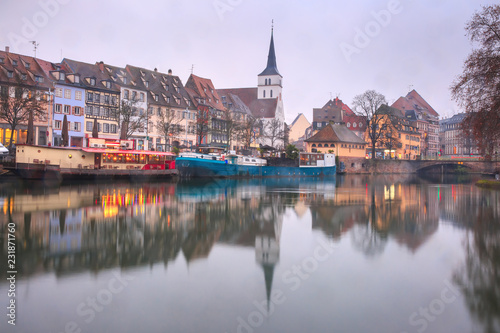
[269, 81]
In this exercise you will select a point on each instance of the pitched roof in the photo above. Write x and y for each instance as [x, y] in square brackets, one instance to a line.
[88, 71]
[272, 68]
[335, 133]
[167, 87]
[260, 108]
[332, 110]
[413, 101]
[25, 70]
[360, 122]
[233, 102]
[200, 88]
[300, 115]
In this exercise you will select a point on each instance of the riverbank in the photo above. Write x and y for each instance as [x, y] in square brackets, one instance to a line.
[485, 183]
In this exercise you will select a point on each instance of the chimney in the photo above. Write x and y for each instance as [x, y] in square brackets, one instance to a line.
[7, 49]
[156, 69]
[169, 72]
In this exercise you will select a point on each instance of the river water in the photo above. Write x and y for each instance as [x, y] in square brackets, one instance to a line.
[354, 254]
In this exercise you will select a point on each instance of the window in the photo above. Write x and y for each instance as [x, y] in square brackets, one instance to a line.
[168, 99]
[97, 98]
[59, 92]
[106, 99]
[264, 94]
[38, 79]
[354, 125]
[271, 93]
[90, 97]
[77, 79]
[88, 126]
[24, 76]
[156, 97]
[113, 100]
[78, 111]
[108, 84]
[158, 112]
[62, 76]
[360, 124]
[92, 81]
[134, 95]
[1, 60]
[67, 93]
[14, 62]
[105, 128]
[78, 95]
[10, 74]
[113, 128]
[348, 125]
[96, 111]
[142, 97]
[125, 94]
[67, 109]
[58, 108]
[76, 126]
[147, 84]
[124, 80]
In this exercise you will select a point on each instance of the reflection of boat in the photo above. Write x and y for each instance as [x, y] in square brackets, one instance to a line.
[310, 164]
[37, 162]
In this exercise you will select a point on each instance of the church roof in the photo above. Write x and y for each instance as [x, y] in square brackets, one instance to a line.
[272, 68]
[335, 133]
[260, 108]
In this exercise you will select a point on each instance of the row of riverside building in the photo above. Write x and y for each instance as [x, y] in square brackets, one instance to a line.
[90, 96]
[89, 93]
[413, 130]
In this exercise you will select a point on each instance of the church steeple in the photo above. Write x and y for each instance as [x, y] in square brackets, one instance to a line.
[272, 68]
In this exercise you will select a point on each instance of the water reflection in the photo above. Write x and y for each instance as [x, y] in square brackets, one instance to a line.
[91, 228]
[479, 276]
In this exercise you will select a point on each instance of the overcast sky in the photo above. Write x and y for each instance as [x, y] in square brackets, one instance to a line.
[323, 48]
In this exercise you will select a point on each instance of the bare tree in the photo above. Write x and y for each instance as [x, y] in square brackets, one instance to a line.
[247, 131]
[133, 118]
[274, 131]
[169, 125]
[477, 89]
[368, 105]
[390, 129]
[203, 119]
[17, 103]
[232, 126]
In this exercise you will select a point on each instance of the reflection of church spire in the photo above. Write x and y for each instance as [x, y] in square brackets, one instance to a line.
[268, 276]
[267, 251]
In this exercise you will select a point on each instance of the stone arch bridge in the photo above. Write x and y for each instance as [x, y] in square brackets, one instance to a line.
[434, 166]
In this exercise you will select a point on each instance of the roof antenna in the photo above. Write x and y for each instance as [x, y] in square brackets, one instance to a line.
[272, 25]
[409, 87]
[35, 45]
[331, 96]
[192, 68]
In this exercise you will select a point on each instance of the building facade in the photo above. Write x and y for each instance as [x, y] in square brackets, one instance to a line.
[102, 100]
[453, 141]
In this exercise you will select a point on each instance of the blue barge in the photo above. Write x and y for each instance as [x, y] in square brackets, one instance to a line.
[198, 165]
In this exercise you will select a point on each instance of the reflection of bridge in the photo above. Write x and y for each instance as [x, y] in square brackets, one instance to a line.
[404, 166]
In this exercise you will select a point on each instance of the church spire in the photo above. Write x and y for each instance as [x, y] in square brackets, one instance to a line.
[272, 68]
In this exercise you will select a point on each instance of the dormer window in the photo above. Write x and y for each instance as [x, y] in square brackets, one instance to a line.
[92, 82]
[38, 79]
[10, 74]
[156, 97]
[62, 76]
[108, 84]
[14, 62]
[24, 76]
[124, 80]
[27, 65]
[147, 84]
[77, 79]
[1, 60]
